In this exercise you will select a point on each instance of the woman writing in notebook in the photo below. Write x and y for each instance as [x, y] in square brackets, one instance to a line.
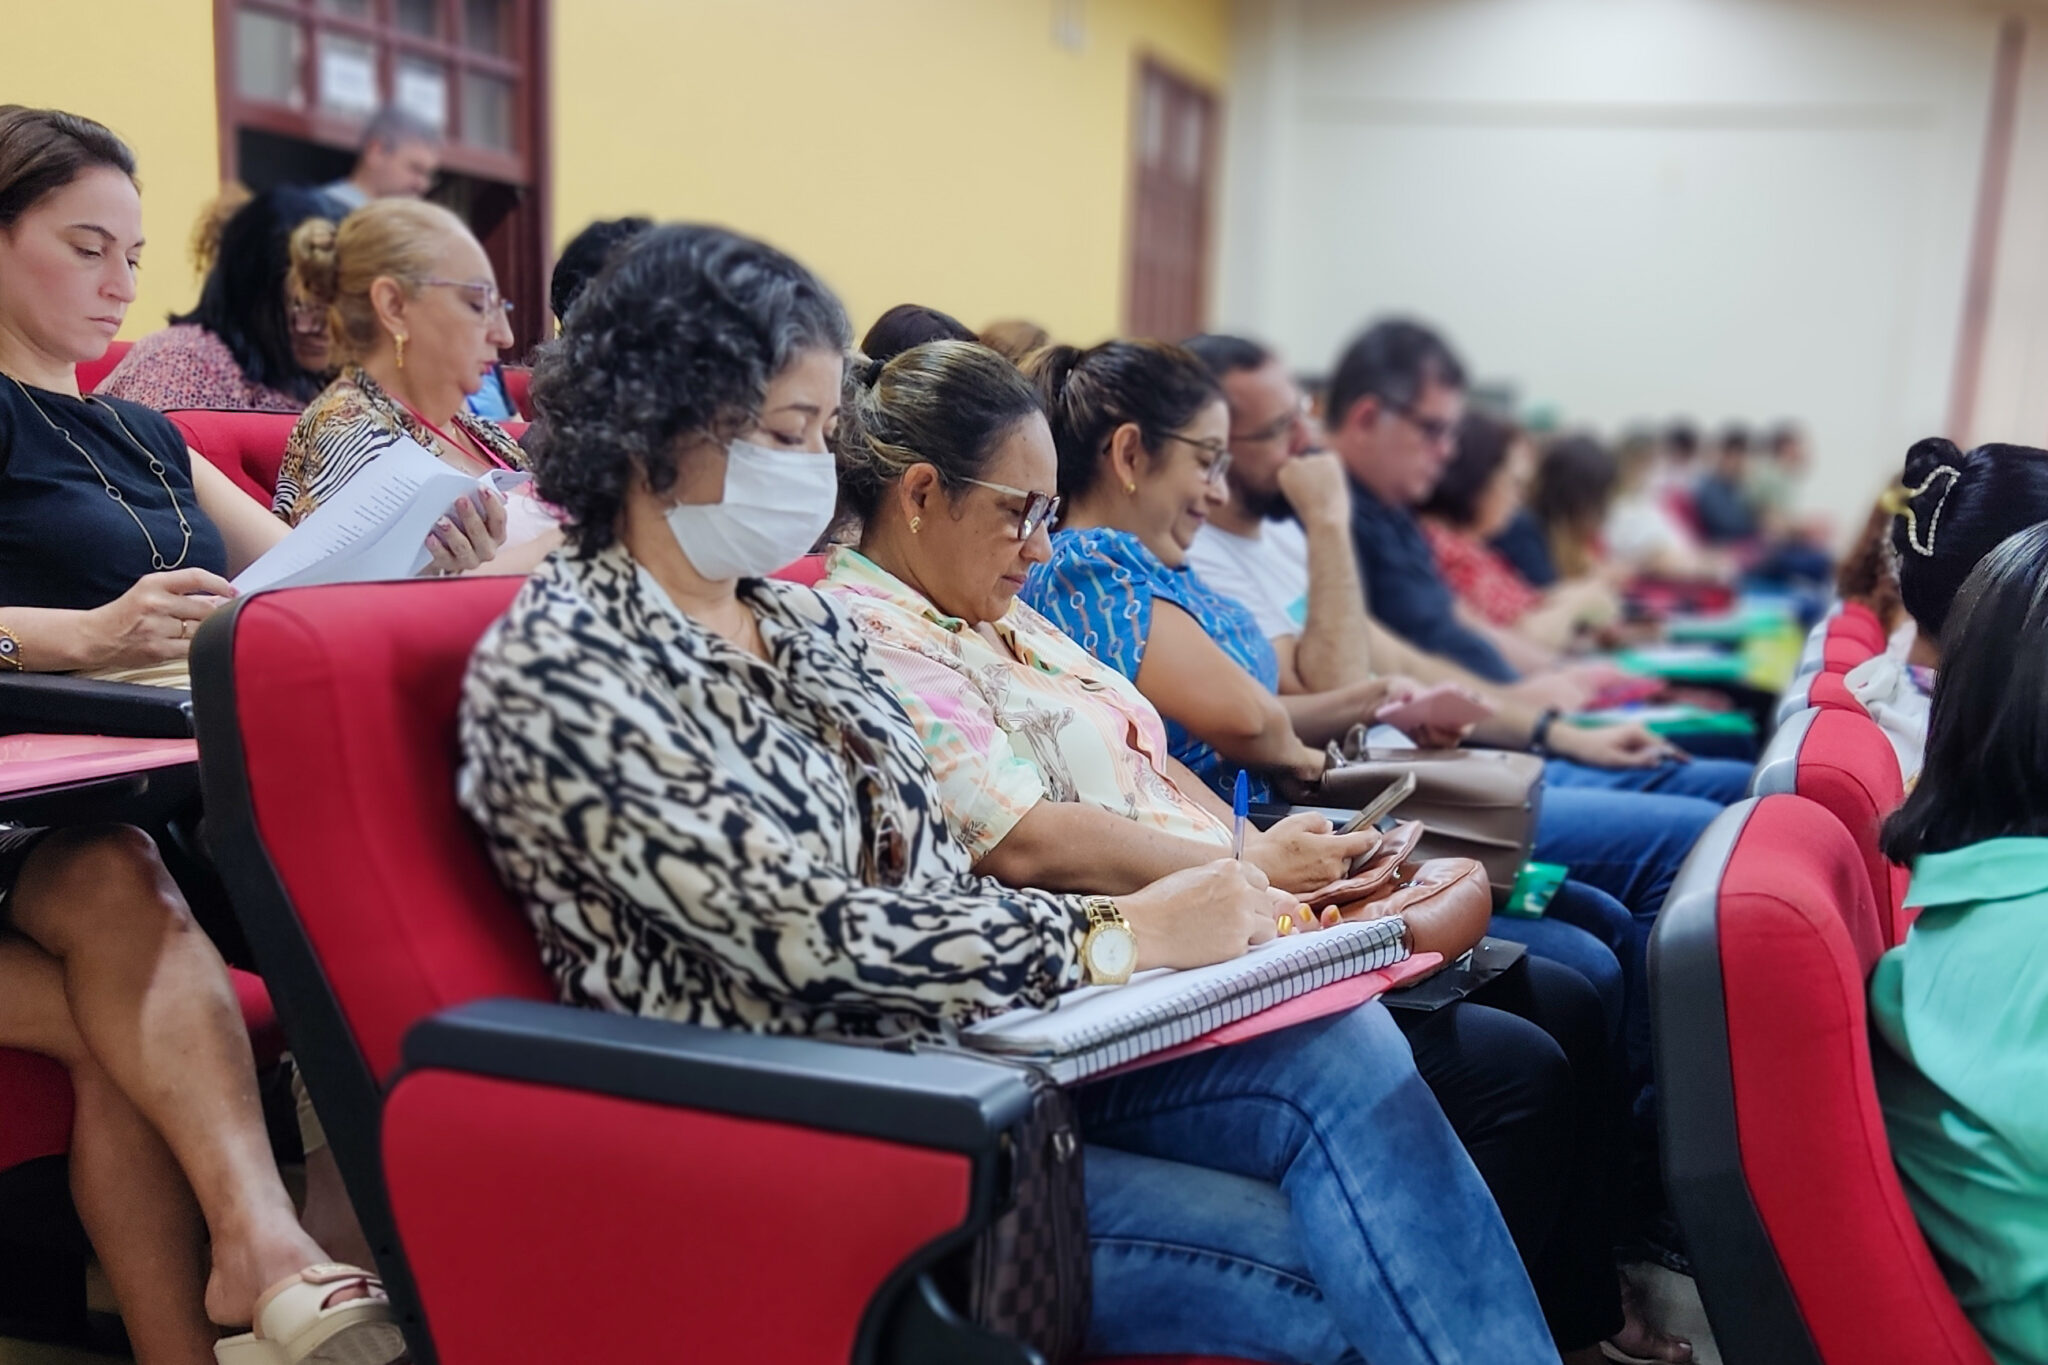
[1053, 770]
[418, 323]
[758, 845]
[115, 542]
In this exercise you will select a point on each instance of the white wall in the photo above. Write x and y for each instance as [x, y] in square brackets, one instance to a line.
[1725, 209]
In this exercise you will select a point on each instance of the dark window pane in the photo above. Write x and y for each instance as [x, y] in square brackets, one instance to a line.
[267, 53]
[487, 112]
[420, 17]
[484, 26]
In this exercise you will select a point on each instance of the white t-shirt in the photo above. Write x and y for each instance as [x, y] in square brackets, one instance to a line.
[1639, 528]
[1267, 572]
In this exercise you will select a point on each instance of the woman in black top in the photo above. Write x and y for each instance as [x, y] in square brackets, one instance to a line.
[115, 542]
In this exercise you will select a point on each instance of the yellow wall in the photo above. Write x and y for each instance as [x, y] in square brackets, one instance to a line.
[145, 69]
[945, 152]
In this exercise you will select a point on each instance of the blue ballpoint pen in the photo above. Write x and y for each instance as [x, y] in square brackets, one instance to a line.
[1240, 805]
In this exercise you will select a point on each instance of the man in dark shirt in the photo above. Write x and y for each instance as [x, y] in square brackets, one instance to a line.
[1721, 501]
[1393, 410]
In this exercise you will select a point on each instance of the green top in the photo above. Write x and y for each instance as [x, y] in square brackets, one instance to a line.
[1963, 1002]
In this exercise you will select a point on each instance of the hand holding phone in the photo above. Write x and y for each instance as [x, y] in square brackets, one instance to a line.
[1445, 708]
[1382, 805]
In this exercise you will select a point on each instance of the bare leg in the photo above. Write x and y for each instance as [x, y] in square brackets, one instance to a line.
[151, 999]
[329, 1218]
[130, 1194]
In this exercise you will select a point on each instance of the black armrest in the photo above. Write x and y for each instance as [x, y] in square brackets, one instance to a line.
[927, 1097]
[58, 704]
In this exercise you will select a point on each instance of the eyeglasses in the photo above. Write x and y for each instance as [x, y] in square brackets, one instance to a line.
[482, 297]
[1434, 430]
[1219, 457]
[1040, 509]
[1280, 426]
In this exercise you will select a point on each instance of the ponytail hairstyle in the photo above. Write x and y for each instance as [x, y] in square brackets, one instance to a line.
[395, 239]
[1950, 510]
[43, 150]
[948, 404]
[1153, 385]
[1986, 775]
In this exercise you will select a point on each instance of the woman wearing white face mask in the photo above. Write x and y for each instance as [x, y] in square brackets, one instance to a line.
[759, 844]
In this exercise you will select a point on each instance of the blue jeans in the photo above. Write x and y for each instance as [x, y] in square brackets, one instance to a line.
[1297, 1198]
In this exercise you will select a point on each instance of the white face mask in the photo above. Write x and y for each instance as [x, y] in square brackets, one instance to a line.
[776, 505]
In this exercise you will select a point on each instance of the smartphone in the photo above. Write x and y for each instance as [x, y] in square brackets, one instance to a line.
[1397, 791]
[1443, 707]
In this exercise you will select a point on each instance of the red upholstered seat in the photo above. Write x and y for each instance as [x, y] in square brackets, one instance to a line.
[1775, 1150]
[809, 571]
[1844, 650]
[1840, 759]
[1858, 622]
[248, 447]
[91, 372]
[518, 382]
[1829, 692]
[636, 1189]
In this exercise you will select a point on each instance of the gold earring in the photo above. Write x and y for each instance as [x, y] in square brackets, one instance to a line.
[1130, 487]
[915, 522]
[400, 341]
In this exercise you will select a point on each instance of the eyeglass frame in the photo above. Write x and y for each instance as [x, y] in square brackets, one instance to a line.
[491, 292]
[1279, 426]
[1435, 430]
[1047, 505]
[1220, 449]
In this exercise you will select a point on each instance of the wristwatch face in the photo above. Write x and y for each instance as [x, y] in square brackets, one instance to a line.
[1112, 952]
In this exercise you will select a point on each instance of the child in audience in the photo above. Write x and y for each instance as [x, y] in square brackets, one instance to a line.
[417, 323]
[1052, 769]
[767, 849]
[255, 342]
[101, 965]
[1961, 1007]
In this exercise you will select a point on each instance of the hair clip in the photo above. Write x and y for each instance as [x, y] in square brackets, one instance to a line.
[1905, 497]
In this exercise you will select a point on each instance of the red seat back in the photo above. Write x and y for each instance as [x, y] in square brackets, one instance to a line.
[1775, 1147]
[345, 705]
[1840, 759]
[1855, 621]
[518, 383]
[809, 571]
[1829, 692]
[92, 372]
[248, 447]
[1842, 652]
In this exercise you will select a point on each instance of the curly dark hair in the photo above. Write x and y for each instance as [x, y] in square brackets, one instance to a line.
[677, 337]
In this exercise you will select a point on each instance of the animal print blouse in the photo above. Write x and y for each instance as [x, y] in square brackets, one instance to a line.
[703, 836]
[345, 428]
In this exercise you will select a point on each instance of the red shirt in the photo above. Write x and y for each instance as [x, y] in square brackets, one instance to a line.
[1480, 575]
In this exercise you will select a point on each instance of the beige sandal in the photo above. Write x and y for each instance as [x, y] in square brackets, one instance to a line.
[298, 1323]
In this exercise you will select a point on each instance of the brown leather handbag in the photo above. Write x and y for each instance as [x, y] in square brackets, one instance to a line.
[1473, 803]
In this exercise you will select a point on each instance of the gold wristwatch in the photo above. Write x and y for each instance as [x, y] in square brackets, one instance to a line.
[1110, 951]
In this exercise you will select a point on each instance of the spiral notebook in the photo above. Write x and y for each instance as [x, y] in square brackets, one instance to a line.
[1100, 1028]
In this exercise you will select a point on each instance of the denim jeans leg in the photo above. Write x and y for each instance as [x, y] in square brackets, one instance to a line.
[1720, 780]
[1394, 1223]
[1187, 1258]
[1628, 844]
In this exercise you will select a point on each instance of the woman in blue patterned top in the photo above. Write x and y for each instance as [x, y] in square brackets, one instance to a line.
[1152, 455]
